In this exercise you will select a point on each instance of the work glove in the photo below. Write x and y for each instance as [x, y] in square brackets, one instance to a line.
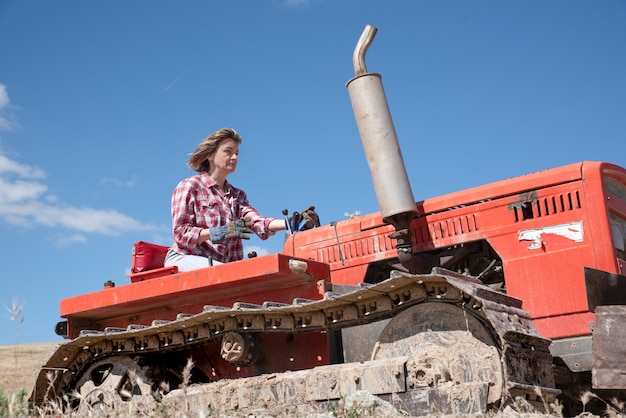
[235, 229]
[307, 219]
[310, 218]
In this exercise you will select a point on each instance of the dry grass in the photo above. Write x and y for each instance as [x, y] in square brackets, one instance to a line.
[20, 363]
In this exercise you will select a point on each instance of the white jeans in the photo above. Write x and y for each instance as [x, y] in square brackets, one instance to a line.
[186, 262]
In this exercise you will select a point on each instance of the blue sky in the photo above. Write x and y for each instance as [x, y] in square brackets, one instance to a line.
[102, 102]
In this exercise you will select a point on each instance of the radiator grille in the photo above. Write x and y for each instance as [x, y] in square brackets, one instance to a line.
[448, 228]
[546, 206]
[354, 249]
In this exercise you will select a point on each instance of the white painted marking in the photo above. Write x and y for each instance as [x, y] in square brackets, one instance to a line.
[573, 231]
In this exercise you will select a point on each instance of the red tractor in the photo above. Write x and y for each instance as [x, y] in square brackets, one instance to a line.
[456, 304]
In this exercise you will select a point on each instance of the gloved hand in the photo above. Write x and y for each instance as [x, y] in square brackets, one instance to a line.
[310, 218]
[235, 229]
[307, 219]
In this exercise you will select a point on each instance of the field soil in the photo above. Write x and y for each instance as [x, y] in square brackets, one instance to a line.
[20, 363]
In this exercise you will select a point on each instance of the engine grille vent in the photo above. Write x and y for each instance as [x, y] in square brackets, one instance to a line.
[446, 228]
[546, 206]
[363, 247]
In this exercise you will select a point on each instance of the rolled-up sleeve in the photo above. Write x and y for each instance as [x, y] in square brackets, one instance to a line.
[260, 223]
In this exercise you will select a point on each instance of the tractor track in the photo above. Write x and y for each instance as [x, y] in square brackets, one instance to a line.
[511, 326]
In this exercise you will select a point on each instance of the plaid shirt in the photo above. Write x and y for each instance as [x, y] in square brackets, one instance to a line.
[197, 204]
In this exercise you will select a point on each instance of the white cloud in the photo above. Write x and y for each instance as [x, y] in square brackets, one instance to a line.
[120, 183]
[297, 3]
[67, 240]
[7, 120]
[22, 170]
[19, 191]
[25, 203]
[4, 96]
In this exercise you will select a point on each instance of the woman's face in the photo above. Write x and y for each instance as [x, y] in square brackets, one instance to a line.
[226, 156]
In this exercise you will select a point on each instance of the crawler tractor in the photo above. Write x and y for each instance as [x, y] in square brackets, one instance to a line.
[462, 303]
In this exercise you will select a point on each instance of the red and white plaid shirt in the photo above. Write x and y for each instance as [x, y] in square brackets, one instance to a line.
[197, 204]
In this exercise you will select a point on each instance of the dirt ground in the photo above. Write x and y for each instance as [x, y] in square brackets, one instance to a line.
[19, 365]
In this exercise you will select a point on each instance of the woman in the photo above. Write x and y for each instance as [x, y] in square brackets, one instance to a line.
[210, 217]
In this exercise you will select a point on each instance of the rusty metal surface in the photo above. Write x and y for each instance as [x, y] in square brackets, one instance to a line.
[609, 348]
[604, 288]
[575, 352]
[379, 139]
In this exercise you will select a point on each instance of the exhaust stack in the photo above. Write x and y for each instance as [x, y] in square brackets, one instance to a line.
[383, 154]
[379, 139]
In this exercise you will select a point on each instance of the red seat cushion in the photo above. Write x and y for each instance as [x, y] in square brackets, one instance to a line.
[147, 256]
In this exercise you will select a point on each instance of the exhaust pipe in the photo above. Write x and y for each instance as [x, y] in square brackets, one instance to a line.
[383, 154]
[379, 139]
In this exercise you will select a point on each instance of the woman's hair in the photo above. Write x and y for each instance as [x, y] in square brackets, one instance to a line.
[198, 160]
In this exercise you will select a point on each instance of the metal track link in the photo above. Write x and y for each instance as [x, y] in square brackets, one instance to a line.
[366, 304]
